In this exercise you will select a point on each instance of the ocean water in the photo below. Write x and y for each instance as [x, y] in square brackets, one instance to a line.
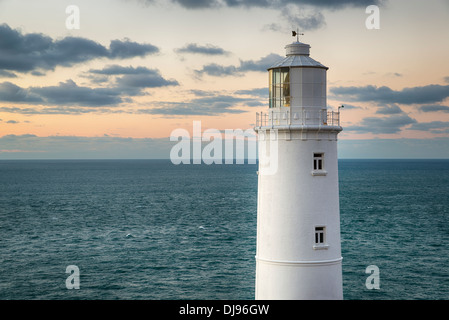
[147, 229]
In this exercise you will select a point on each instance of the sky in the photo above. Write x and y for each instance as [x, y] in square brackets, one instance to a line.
[132, 71]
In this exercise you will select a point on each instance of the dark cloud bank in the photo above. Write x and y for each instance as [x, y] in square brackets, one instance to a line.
[36, 53]
[304, 14]
[394, 119]
[332, 4]
[25, 53]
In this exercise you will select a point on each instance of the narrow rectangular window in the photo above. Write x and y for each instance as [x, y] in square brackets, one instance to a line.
[318, 161]
[320, 235]
[279, 83]
[270, 88]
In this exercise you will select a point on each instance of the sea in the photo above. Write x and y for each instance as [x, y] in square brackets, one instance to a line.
[152, 230]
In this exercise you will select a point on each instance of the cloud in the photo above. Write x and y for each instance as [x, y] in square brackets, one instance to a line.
[350, 106]
[198, 4]
[10, 92]
[260, 65]
[129, 49]
[190, 109]
[59, 110]
[19, 110]
[331, 4]
[208, 105]
[150, 80]
[305, 14]
[301, 18]
[396, 119]
[204, 93]
[382, 125]
[120, 70]
[68, 93]
[216, 70]
[416, 95]
[433, 108]
[69, 98]
[7, 74]
[65, 93]
[433, 126]
[130, 79]
[446, 79]
[35, 51]
[259, 92]
[276, 27]
[207, 49]
[37, 73]
[389, 109]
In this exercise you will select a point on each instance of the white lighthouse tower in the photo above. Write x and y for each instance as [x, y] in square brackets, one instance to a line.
[298, 215]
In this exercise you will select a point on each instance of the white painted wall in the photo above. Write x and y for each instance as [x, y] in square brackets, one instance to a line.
[308, 87]
[291, 202]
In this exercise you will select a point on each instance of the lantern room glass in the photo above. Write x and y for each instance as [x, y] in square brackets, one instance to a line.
[279, 87]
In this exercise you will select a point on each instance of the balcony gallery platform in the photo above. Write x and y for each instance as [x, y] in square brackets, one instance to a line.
[299, 120]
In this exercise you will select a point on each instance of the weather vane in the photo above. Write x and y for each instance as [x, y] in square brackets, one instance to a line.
[297, 34]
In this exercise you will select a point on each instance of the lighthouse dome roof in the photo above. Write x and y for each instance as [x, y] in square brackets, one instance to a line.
[298, 56]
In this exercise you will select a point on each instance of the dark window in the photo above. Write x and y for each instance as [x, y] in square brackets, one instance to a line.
[319, 235]
[318, 161]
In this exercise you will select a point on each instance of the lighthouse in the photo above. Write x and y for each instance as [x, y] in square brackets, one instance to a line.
[298, 254]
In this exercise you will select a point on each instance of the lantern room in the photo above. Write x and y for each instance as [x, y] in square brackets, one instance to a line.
[297, 80]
